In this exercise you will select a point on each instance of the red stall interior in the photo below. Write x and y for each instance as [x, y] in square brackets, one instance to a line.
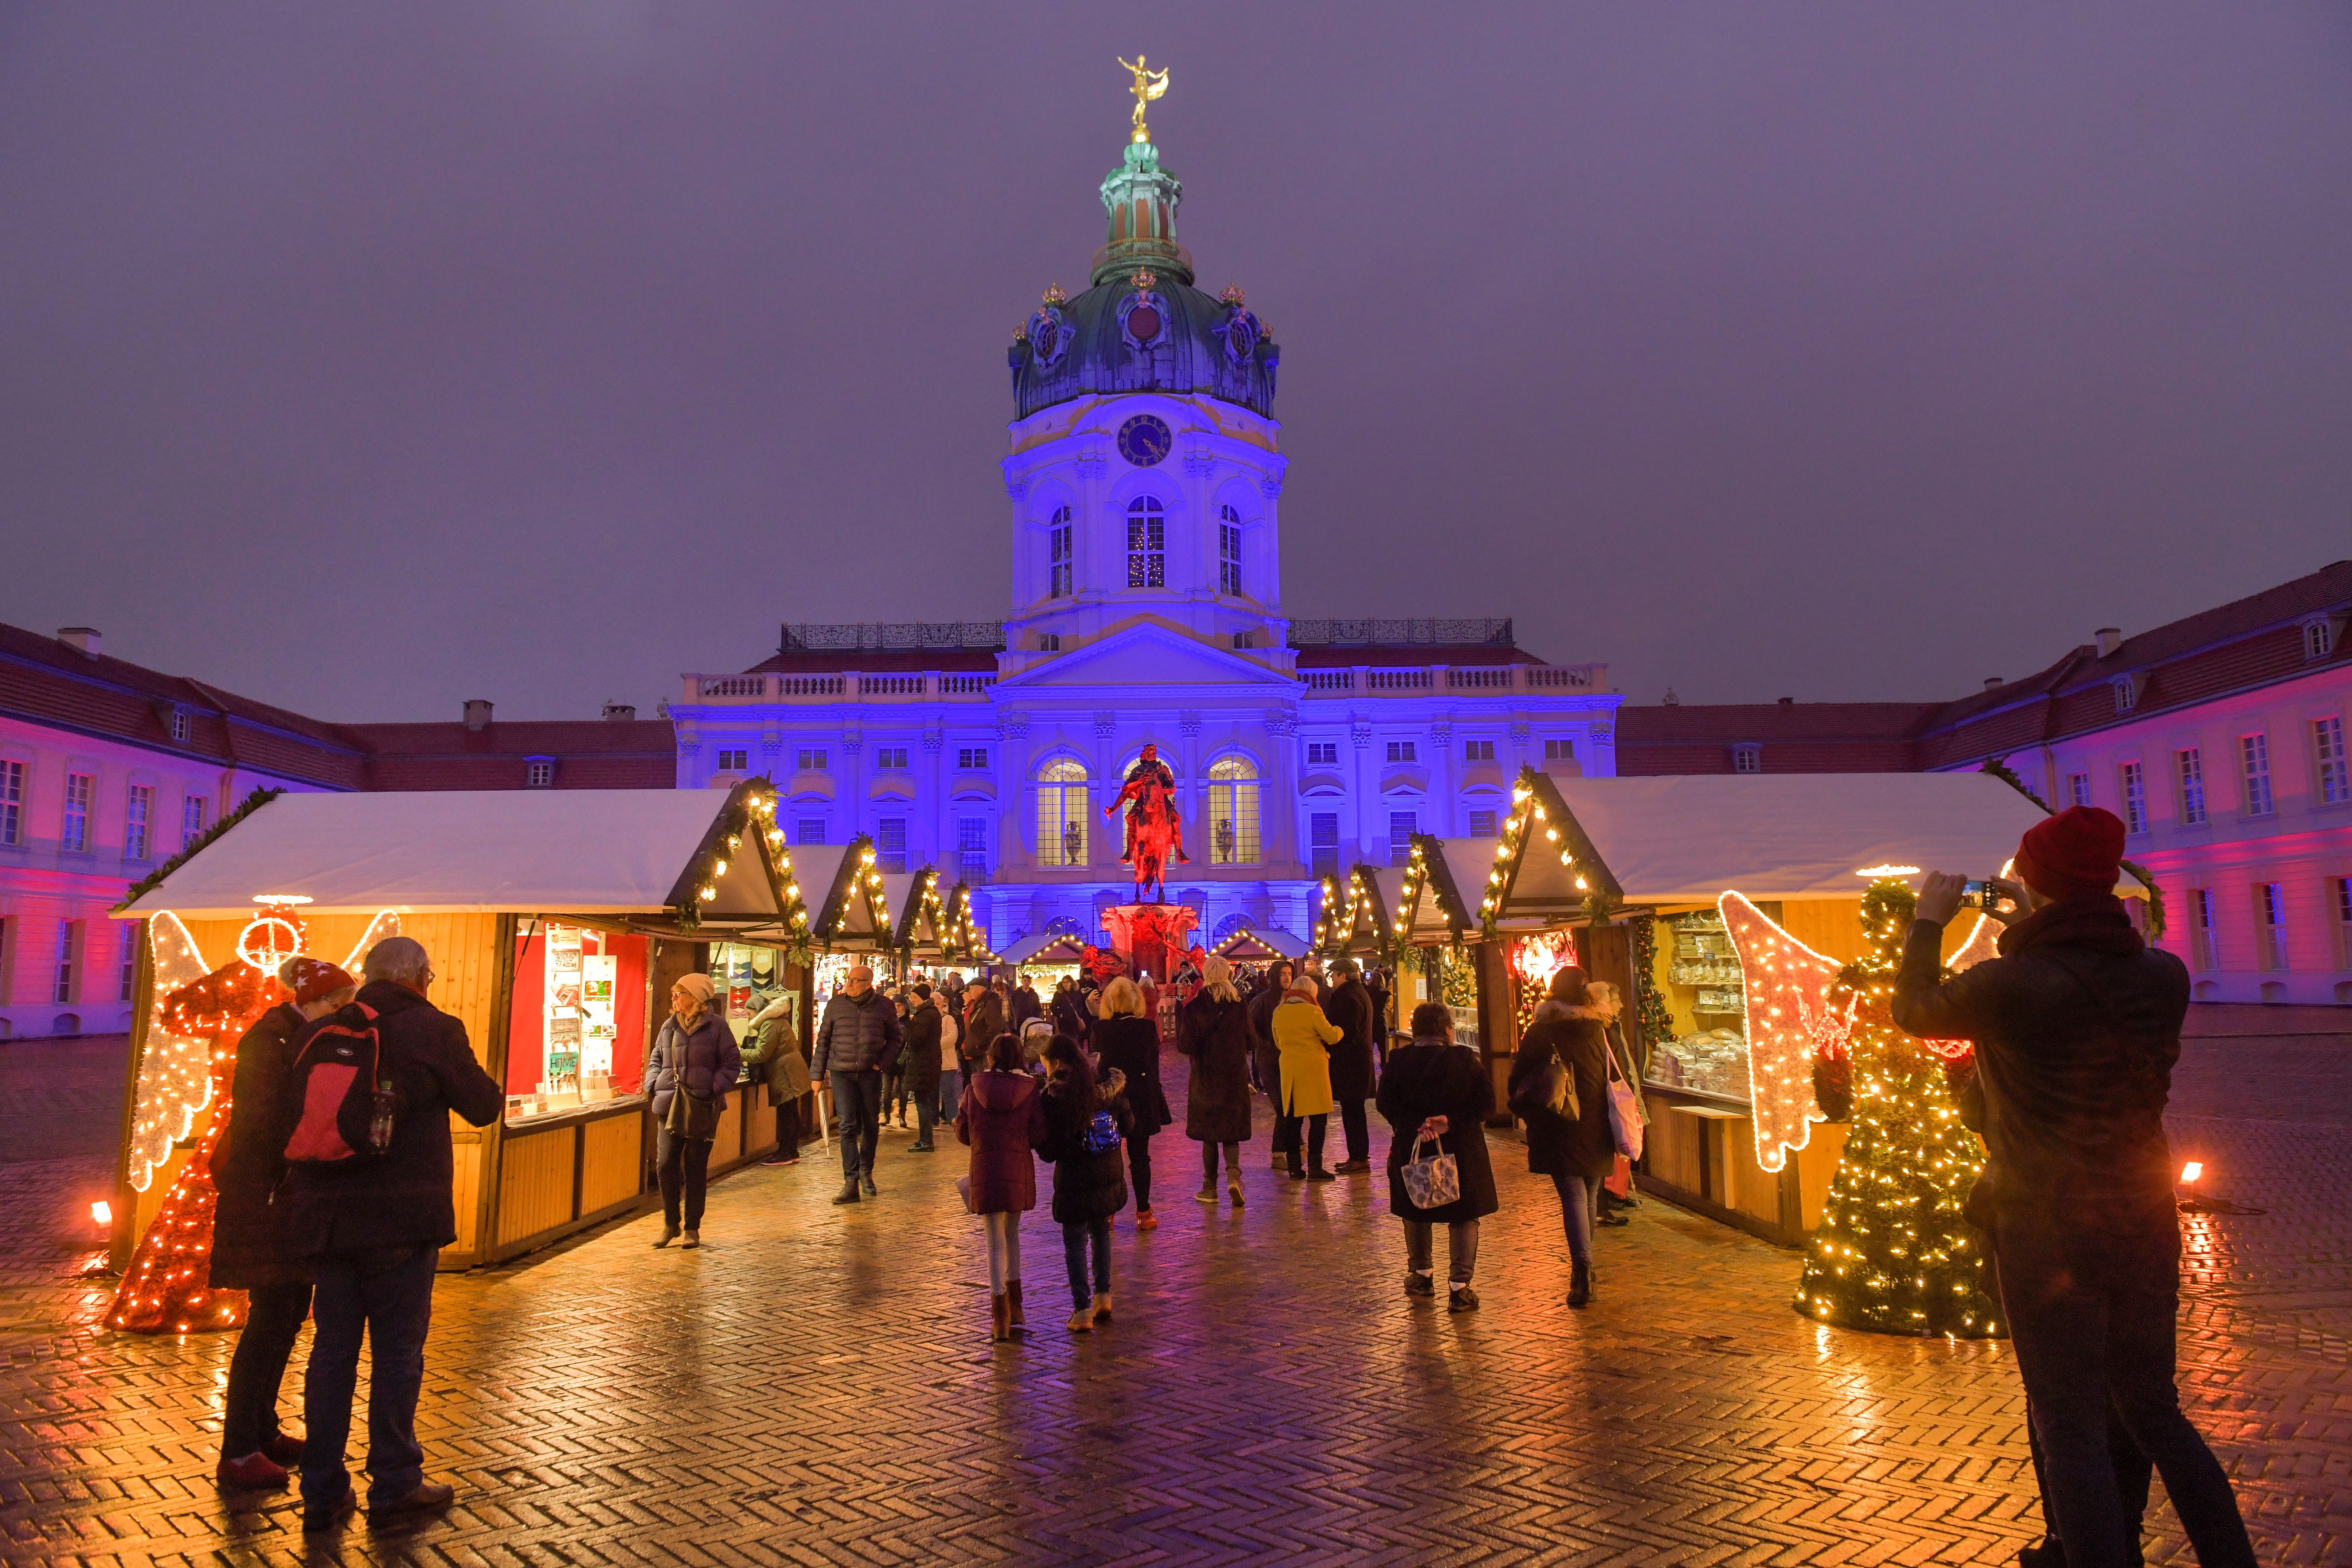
[579, 1012]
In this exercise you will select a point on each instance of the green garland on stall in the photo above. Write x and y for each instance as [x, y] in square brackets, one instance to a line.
[2007, 775]
[2156, 915]
[154, 880]
[1657, 1021]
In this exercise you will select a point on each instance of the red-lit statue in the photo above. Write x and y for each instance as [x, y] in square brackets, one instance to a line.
[1153, 828]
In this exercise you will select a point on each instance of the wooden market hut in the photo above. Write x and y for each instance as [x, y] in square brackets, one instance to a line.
[1247, 944]
[512, 893]
[1355, 922]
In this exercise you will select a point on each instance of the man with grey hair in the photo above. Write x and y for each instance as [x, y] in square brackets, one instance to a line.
[372, 1229]
[859, 1033]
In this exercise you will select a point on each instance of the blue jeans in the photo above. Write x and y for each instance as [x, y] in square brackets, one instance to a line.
[1075, 1239]
[1576, 1213]
[388, 1296]
[857, 1106]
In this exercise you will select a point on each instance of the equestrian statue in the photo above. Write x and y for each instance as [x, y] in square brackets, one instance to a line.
[1153, 827]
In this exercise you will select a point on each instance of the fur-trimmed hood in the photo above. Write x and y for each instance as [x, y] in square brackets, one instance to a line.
[1549, 1008]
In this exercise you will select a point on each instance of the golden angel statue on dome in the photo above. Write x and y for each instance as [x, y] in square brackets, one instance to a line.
[1150, 87]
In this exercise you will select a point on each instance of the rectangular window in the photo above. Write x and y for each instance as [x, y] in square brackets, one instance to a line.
[138, 821]
[2078, 789]
[1403, 826]
[2254, 759]
[2327, 753]
[2190, 766]
[538, 773]
[1400, 752]
[2318, 639]
[971, 849]
[74, 834]
[2201, 951]
[130, 959]
[2132, 784]
[1147, 552]
[812, 761]
[1746, 759]
[2339, 894]
[2127, 696]
[1322, 753]
[811, 831]
[972, 757]
[1482, 825]
[2269, 922]
[181, 725]
[890, 843]
[734, 762]
[69, 953]
[1560, 750]
[1323, 843]
[192, 819]
[1059, 557]
[1477, 751]
[1229, 552]
[12, 802]
[890, 757]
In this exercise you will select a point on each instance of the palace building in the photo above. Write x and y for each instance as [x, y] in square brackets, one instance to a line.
[1143, 478]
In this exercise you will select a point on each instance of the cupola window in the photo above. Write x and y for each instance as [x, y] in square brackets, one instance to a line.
[1229, 551]
[1058, 554]
[1146, 543]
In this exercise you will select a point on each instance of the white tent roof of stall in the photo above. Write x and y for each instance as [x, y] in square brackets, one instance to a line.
[1035, 942]
[1787, 836]
[1275, 937]
[581, 851]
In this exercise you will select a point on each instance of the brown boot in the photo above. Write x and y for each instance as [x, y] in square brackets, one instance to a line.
[1019, 1320]
[999, 1321]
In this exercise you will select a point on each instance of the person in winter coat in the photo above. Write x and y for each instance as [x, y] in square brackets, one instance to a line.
[946, 998]
[1126, 1041]
[1025, 1004]
[373, 1231]
[1573, 1145]
[983, 1019]
[696, 1054]
[1608, 1208]
[894, 1071]
[1002, 1118]
[1349, 1006]
[1089, 1182]
[1266, 1058]
[2076, 1026]
[858, 1033]
[771, 1050]
[1304, 1037]
[1069, 1010]
[1214, 1031]
[249, 1251]
[1434, 1089]
[923, 1056]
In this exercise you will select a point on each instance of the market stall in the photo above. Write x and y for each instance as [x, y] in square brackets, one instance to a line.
[557, 923]
[1245, 944]
[1046, 959]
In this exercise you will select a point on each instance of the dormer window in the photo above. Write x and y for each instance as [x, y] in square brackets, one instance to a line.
[2126, 694]
[2318, 640]
[1747, 758]
[183, 725]
[538, 773]
[1147, 542]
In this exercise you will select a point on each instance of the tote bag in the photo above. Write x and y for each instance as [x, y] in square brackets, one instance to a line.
[1624, 1110]
[1432, 1182]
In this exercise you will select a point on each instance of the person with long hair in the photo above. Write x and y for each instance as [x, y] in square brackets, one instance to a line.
[1126, 1041]
[1266, 1057]
[1213, 1030]
[1434, 1090]
[1089, 1180]
[1002, 1118]
[1303, 1036]
[1559, 1088]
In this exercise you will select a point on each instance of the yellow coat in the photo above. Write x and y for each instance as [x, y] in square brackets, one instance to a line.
[1303, 1036]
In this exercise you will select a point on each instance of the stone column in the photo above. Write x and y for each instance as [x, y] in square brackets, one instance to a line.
[1449, 802]
[1360, 734]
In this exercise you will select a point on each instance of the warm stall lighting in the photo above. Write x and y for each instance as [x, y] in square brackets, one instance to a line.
[2192, 1173]
[102, 1214]
[1878, 871]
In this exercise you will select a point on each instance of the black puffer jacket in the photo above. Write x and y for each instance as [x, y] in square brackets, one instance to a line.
[2076, 1027]
[1438, 1077]
[1085, 1186]
[1131, 1046]
[859, 1034]
[706, 1055]
[1558, 1145]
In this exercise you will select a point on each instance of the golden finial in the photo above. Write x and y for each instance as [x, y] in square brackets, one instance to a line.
[1143, 278]
[1054, 295]
[1233, 296]
[1150, 87]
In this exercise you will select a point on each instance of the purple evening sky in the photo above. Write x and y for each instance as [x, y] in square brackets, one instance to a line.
[367, 358]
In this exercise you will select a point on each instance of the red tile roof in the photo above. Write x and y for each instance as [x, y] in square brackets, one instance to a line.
[1796, 737]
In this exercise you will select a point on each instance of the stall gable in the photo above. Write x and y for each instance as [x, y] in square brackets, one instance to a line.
[920, 931]
[1355, 920]
[856, 914]
[962, 934]
[1546, 869]
[1430, 906]
[740, 873]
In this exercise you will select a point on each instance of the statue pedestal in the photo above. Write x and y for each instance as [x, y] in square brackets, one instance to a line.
[1150, 937]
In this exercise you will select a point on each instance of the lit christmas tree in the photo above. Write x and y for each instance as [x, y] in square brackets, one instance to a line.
[1892, 1254]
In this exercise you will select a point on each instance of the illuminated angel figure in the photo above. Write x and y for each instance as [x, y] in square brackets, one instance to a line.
[1794, 1019]
[1151, 86]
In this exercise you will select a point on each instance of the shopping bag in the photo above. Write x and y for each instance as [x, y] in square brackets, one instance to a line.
[1624, 1113]
[1619, 1181]
[1433, 1181]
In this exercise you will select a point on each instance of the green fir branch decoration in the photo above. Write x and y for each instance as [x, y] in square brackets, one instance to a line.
[154, 879]
[2007, 775]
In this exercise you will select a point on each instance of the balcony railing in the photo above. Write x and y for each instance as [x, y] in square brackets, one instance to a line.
[1497, 680]
[850, 684]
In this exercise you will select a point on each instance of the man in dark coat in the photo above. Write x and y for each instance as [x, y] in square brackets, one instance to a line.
[859, 1034]
[1349, 1006]
[923, 1064]
[1025, 1004]
[249, 1251]
[1436, 1088]
[1266, 1058]
[372, 1230]
[2076, 1027]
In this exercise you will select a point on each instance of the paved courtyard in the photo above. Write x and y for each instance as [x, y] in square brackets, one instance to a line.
[814, 1386]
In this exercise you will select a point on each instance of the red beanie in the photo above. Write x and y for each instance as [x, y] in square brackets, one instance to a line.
[2077, 854]
[315, 980]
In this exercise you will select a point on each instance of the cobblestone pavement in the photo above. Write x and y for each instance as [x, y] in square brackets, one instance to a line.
[814, 1386]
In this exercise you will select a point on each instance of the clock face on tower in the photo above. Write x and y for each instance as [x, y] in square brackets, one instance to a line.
[1144, 440]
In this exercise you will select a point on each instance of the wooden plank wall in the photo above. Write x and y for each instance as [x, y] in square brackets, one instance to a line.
[535, 1182]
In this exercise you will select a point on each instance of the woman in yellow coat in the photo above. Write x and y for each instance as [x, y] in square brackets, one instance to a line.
[1304, 1037]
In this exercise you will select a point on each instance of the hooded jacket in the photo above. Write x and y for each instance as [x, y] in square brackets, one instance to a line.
[1002, 1118]
[1559, 1145]
[1085, 1186]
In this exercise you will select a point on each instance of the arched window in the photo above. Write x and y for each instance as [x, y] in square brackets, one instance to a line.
[1146, 543]
[1229, 925]
[1233, 812]
[1062, 816]
[1229, 550]
[1057, 550]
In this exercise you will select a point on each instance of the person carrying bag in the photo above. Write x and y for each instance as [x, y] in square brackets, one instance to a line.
[1435, 1096]
[695, 1062]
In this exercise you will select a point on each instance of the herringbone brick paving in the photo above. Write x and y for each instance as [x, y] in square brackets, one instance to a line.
[814, 1387]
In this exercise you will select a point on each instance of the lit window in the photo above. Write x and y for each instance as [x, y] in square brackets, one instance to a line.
[1062, 820]
[1233, 812]
[1059, 560]
[1403, 826]
[138, 821]
[1477, 751]
[1482, 825]
[2269, 922]
[811, 831]
[972, 848]
[1560, 750]
[2078, 789]
[12, 802]
[1400, 752]
[192, 819]
[74, 833]
[810, 762]
[2133, 785]
[972, 757]
[2318, 639]
[2254, 760]
[2191, 765]
[1323, 843]
[890, 757]
[1322, 753]
[68, 950]
[2201, 929]
[1146, 543]
[734, 762]
[538, 773]
[890, 843]
[1747, 759]
[1229, 551]
[2327, 751]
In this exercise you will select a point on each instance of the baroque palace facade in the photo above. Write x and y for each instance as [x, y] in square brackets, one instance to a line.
[1144, 481]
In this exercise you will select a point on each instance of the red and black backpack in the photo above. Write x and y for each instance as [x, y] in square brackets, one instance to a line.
[346, 1103]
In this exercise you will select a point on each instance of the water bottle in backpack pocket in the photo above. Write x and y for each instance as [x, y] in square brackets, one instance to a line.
[347, 1105]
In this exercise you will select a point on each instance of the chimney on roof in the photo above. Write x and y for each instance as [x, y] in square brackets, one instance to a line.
[1788, 702]
[83, 639]
[1991, 681]
[477, 713]
[1672, 701]
[2110, 638]
[620, 712]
